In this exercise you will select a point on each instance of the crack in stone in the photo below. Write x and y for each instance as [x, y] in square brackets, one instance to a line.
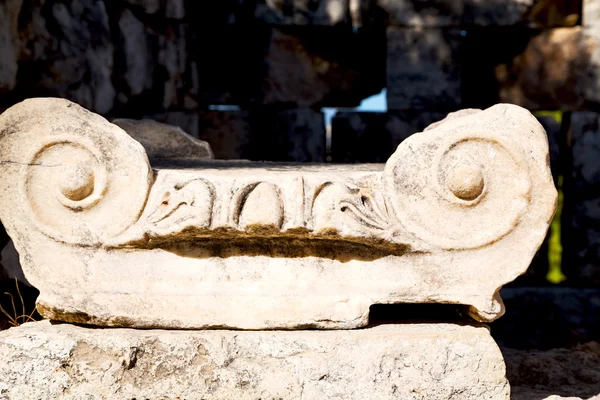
[30, 164]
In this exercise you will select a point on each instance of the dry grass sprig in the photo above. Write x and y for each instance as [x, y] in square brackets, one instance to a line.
[16, 319]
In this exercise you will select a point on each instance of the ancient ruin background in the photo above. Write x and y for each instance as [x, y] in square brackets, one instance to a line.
[253, 78]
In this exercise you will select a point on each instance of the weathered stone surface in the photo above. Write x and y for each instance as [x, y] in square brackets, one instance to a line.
[558, 70]
[419, 13]
[162, 141]
[581, 237]
[533, 13]
[235, 72]
[137, 62]
[469, 13]
[151, 64]
[229, 133]
[372, 137]
[188, 121]
[548, 317]
[149, 58]
[455, 213]
[320, 67]
[421, 361]
[303, 12]
[9, 43]
[289, 66]
[67, 52]
[423, 69]
[573, 373]
[167, 8]
[293, 135]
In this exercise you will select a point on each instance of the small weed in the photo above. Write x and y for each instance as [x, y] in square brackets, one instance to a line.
[17, 318]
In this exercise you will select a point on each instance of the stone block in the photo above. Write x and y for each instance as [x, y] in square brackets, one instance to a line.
[557, 70]
[188, 121]
[470, 13]
[165, 142]
[322, 67]
[303, 12]
[288, 67]
[484, 50]
[137, 63]
[532, 13]
[581, 233]
[293, 135]
[229, 134]
[151, 64]
[9, 43]
[68, 52]
[172, 9]
[420, 361]
[455, 213]
[373, 137]
[420, 13]
[423, 69]
[230, 63]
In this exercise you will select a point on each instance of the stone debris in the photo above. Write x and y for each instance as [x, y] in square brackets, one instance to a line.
[162, 141]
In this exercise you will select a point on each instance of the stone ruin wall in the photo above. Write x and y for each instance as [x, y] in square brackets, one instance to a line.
[281, 62]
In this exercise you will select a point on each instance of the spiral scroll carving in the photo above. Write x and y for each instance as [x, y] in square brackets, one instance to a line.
[459, 190]
[83, 182]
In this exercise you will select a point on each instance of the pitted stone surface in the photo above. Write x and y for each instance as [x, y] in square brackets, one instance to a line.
[420, 361]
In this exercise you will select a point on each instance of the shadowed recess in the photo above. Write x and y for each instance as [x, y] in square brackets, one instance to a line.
[333, 248]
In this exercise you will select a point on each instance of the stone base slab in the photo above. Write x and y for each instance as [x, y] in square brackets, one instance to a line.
[409, 361]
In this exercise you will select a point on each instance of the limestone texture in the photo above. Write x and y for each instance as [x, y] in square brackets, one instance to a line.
[412, 361]
[456, 212]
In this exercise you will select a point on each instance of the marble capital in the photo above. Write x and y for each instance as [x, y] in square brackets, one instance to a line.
[109, 239]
